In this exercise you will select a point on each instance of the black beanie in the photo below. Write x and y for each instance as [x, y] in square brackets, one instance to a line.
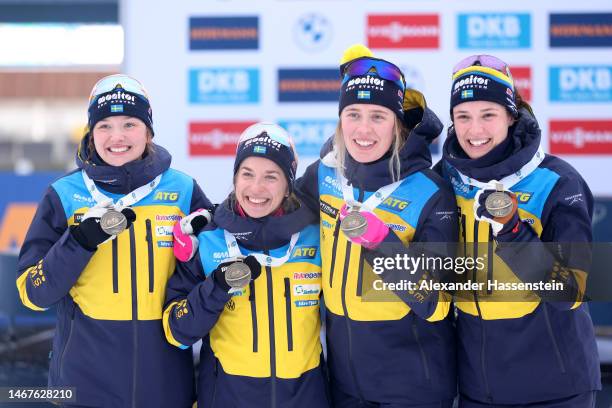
[269, 141]
[120, 102]
[374, 90]
[478, 83]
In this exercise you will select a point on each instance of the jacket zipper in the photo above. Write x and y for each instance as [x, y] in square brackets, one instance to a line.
[482, 327]
[490, 261]
[334, 247]
[134, 313]
[348, 323]
[288, 313]
[272, 336]
[70, 330]
[151, 257]
[115, 250]
[415, 332]
[253, 314]
[552, 339]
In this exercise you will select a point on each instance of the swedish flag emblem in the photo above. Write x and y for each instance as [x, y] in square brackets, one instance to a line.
[363, 94]
[259, 149]
[116, 108]
[468, 93]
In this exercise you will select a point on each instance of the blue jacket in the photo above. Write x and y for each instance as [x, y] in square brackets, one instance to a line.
[522, 350]
[386, 347]
[261, 345]
[109, 341]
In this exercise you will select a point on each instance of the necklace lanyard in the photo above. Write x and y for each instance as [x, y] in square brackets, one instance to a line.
[128, 199]
[513, 178]
[373, 201]
[234, 251]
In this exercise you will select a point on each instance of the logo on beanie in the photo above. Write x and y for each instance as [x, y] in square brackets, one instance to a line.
[116, 108]
[475, 81]
[259, 149]
[118, 96]
[363, 94]
[368, 81]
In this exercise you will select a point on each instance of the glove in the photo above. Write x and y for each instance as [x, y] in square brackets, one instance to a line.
[499, 225]
[185, 233]
[375, 233]
[89, 233]
[219, 273]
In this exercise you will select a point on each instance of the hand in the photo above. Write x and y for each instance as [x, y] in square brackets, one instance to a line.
[185, 231]
[250, 261]
[375, 232]
[89, 234]
[499, 225]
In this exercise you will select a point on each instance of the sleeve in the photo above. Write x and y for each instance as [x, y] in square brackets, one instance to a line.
[193, 304]
[436, 235]
[199, 199]
[50, 260]
[563, 251]
[307, 188]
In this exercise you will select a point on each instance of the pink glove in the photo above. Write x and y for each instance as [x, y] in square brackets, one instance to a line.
[184, 234]
[375, 233]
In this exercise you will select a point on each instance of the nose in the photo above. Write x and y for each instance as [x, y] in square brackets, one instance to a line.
[477, 127]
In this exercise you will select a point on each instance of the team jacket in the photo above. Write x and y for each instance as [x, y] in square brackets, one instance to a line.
[264, 339]
[516, 349]
[109, 341]
[399, 349]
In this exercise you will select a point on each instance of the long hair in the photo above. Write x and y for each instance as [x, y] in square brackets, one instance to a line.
[400, 135]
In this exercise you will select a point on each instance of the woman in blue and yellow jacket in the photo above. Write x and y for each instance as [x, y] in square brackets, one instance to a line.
[109, 284]
[261, 343]
[386, 346]
[522, 340]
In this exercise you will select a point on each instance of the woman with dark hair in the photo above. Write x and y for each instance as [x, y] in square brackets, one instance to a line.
[529, 214]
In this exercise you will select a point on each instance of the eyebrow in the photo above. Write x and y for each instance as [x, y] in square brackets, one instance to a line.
[267, 171]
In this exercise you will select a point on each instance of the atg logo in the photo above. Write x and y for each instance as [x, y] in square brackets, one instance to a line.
[581, 84]
[166, 196]
[215, 138]
[522, 81]
[394, 204]
[313, 32]
[223, 33]
[580, 137]
[403, 31]
[309, 135]
[223, 85]
[308, 85]
[581, 30]
[304, 253]
[499, 30]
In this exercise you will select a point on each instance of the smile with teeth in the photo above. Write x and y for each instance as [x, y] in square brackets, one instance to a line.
[364, 143]
[478, 142]
[119, 149]
[257, 201]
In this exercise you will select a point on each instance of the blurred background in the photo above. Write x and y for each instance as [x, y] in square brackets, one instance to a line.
[214, 67]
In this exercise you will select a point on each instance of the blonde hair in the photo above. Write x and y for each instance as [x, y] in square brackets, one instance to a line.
[400, 135]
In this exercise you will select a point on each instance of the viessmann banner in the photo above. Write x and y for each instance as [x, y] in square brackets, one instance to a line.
[220, 65]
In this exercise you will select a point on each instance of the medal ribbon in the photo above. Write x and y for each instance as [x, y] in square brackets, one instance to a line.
[513, 178]
[234, 251]
[125, 201]
[373, 201]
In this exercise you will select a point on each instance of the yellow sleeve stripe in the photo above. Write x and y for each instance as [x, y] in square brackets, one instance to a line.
[167, 330]
[581, 277]
[442, 308]
[23, 293]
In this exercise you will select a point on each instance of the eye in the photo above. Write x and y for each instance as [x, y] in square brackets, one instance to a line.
[246, 174]
[130, 125]
[489, 115]
[462, 117]
[378, 117]
[102, 126]
[271, 177]
[352, 115]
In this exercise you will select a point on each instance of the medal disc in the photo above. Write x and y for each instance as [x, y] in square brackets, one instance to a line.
[113, 222]
[354, 224]
[499, 204]
[237, 275]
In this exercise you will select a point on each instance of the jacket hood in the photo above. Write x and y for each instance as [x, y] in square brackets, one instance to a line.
[508, 157]
[414, 156]
[268, 232]
[125, 178]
